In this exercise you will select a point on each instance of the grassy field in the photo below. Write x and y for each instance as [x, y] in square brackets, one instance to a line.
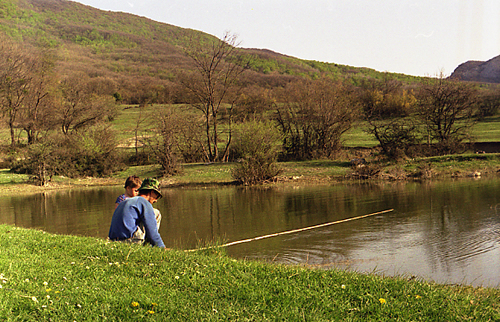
[45, 277]
[488, 130]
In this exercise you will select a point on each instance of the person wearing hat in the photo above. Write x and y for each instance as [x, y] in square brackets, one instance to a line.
[135, 213]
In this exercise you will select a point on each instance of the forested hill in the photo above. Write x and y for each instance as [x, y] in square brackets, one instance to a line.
[122, 45]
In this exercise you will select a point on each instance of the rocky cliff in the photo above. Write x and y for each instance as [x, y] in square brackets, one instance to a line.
[478, 71]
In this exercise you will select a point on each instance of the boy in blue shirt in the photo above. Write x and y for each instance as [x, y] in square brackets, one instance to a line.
[136, 212]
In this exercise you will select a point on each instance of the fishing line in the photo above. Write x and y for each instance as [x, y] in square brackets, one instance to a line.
[291, 231]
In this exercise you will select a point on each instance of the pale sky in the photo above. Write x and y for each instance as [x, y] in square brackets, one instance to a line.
[414, 37]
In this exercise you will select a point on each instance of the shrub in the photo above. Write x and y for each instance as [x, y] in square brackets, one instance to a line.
[41, 162]
[257, 144]
[89, 153]
[397, 137]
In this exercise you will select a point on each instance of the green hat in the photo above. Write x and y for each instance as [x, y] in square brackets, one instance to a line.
[151, 184]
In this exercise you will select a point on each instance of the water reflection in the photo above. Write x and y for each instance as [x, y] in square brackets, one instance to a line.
[74, 212]
[448, 232]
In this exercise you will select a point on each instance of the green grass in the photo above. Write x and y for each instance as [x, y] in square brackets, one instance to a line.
[125, 122]
[46, 277]
[488, 130]
[315, 169]
[213, 172]
[358, 137]
[7, 177]
[458, 165]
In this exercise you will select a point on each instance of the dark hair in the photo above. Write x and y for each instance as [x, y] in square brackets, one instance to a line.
[133, 182]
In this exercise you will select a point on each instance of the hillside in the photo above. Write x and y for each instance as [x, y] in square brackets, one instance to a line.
[478, 71]
[129, 48]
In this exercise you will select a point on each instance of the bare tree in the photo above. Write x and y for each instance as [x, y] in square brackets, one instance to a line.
[27, 83]
[396, 136]
[218, 69]
[314, 117]
[141, 118]
[16, 66]
[446, 108]
[37, 112]
[162, 138]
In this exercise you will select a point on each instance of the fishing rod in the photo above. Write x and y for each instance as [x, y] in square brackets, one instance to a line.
[292, 231]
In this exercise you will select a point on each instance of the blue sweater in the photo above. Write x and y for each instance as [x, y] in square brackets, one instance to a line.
[127, 217]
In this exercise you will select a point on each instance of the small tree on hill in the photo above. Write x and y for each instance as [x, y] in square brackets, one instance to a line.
[81, 105]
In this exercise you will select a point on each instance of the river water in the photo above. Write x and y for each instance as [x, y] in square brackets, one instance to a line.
[446, 231]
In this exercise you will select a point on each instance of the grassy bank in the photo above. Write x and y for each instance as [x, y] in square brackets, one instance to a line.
[307, 172]
[46, 277]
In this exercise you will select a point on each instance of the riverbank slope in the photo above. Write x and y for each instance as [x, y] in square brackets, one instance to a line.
[45, 277]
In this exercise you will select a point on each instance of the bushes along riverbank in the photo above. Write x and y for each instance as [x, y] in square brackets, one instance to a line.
[299, 172]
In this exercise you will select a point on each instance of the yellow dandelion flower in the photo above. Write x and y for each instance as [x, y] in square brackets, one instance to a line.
[382, 301]
[134, 304]
[418, 296]
[151, 312]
